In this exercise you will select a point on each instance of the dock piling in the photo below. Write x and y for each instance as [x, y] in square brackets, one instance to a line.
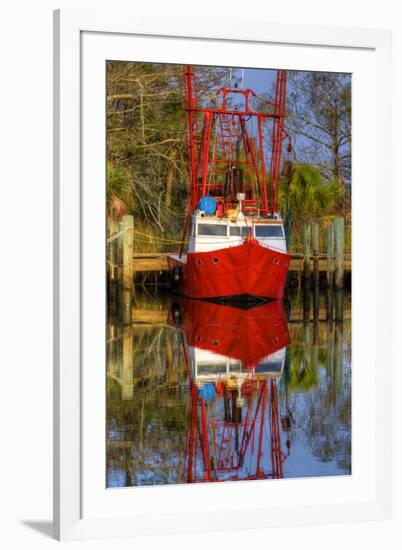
[306, 299]
[316, 269]
[315, 246]
[127, 272]
[330, 256]
[307, 251]
[339, 304]
[112, 267]
[330, 271]
[339, 227]
[127, 374]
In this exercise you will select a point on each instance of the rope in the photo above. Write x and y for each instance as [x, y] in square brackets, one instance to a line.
[112, 264]
[172, 241]
[158, 238]
[152, 237]
[118, 234]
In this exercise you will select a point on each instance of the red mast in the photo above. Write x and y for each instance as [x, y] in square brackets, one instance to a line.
[277, 136]
[234, 433]
[229, 154]
[235, 448]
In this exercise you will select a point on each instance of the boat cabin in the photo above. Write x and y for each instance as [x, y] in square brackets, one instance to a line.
[212, 233]
[207, 366]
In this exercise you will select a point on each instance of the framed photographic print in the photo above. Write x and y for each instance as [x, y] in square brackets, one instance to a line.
[215, 361]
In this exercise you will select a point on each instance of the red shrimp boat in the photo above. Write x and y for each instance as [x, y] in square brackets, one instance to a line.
[249, 337]
[236, 244]
[235, 359]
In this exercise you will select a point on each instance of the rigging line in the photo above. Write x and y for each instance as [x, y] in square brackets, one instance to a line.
[215, 123]
[154, 237]
[118, 234]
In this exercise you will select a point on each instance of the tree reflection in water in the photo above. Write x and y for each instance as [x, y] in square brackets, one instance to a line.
[203, 392]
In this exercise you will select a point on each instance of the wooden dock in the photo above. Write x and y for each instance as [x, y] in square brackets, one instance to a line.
[143, 262]
[123, 263]
[152, 317]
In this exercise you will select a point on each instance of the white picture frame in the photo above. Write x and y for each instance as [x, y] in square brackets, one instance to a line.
[81, 510]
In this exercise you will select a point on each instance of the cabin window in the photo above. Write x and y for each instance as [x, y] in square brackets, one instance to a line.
[268, 231]
[210, 368]
[212, 229]
[236, 231]
[235, 367]
[268, 367]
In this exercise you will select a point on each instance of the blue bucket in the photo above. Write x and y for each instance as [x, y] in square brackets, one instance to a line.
[208, 205]
[208, 391]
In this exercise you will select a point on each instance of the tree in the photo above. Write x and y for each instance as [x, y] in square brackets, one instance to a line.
[307, 196]
[144, 126]
[147, 165]
[319, 119]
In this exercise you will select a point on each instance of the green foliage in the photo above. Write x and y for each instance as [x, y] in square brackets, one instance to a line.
[147, 158]
[308, 196]
[146, 152]
[144, 138]
[118, 185]
[302, 373]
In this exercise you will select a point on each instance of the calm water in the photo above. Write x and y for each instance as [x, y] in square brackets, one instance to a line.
[207, 392]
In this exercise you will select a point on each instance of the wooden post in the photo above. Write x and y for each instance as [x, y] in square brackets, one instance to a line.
[119, 273]
[330, 270]
[170, 367]
[316, 270]
[316, 304]
[115, 350]
[315, 346]
[330, 256]
[307, 251]
[330, 362]
[315, 246]
[306, 345]
[339, 226]
[306, 299]
[127, 375]
[306, 271]
[329, 304]
[128, 225]
[112, 351]
[338, 358]
[339, 304]
[112, 267]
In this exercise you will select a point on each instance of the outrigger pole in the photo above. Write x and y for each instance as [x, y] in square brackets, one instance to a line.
[221, 170]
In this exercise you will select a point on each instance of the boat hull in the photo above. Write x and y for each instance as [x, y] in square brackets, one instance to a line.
[248, 336]
[249, 269]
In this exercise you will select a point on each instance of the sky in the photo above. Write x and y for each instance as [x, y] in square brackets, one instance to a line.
[262, 81]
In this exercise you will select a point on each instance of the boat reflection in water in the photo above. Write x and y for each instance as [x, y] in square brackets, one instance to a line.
[234, 360]
[218, 393]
